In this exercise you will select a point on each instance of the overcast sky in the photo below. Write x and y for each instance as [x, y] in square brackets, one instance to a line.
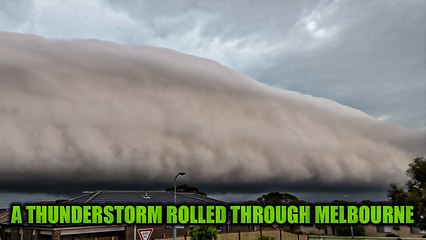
[369, 55]
[98, 115]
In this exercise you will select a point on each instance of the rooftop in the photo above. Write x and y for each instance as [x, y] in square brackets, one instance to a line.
[142, 198]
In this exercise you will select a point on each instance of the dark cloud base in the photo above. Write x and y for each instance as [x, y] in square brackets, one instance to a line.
[44, 184]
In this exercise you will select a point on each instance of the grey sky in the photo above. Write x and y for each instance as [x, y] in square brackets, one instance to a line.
[370, 55]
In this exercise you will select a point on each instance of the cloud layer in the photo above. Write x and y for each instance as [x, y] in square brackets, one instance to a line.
[80, 114]
[335, 49]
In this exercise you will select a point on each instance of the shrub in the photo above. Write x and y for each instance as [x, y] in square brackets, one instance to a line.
[263, 237]
[345, 230]
[391, 235]
[203, 233]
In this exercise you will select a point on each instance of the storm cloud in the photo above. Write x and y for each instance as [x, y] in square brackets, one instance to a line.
[84, 113]
[369, 55]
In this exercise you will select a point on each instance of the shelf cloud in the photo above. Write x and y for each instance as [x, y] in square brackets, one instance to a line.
[79, 114]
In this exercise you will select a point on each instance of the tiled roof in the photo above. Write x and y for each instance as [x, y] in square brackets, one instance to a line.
[4, 215]
[142, 198]
[128, 197]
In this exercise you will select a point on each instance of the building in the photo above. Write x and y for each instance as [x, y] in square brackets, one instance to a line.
[128, 232]
[107, 232]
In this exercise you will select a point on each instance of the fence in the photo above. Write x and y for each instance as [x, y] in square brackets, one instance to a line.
[276, 234]
[326, 237]
[289, 236]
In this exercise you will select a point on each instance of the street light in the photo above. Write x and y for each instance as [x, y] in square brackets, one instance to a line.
[352, 228]
[174, 226]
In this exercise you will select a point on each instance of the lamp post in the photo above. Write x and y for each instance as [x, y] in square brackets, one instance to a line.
[174, 226]
[352, 228]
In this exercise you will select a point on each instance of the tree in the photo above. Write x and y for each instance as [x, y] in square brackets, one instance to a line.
[203, 233]
[397, 195]
[186, 188]
[416, 191]
[417, 174]
[277, 198]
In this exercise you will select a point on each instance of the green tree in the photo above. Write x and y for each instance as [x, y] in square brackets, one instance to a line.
[203, 233]
[397, 194]
[417, 174]
[276, 198]
[416, 191]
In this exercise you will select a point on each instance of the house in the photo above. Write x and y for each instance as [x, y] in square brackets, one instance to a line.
[129, 232]
[107, 232]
